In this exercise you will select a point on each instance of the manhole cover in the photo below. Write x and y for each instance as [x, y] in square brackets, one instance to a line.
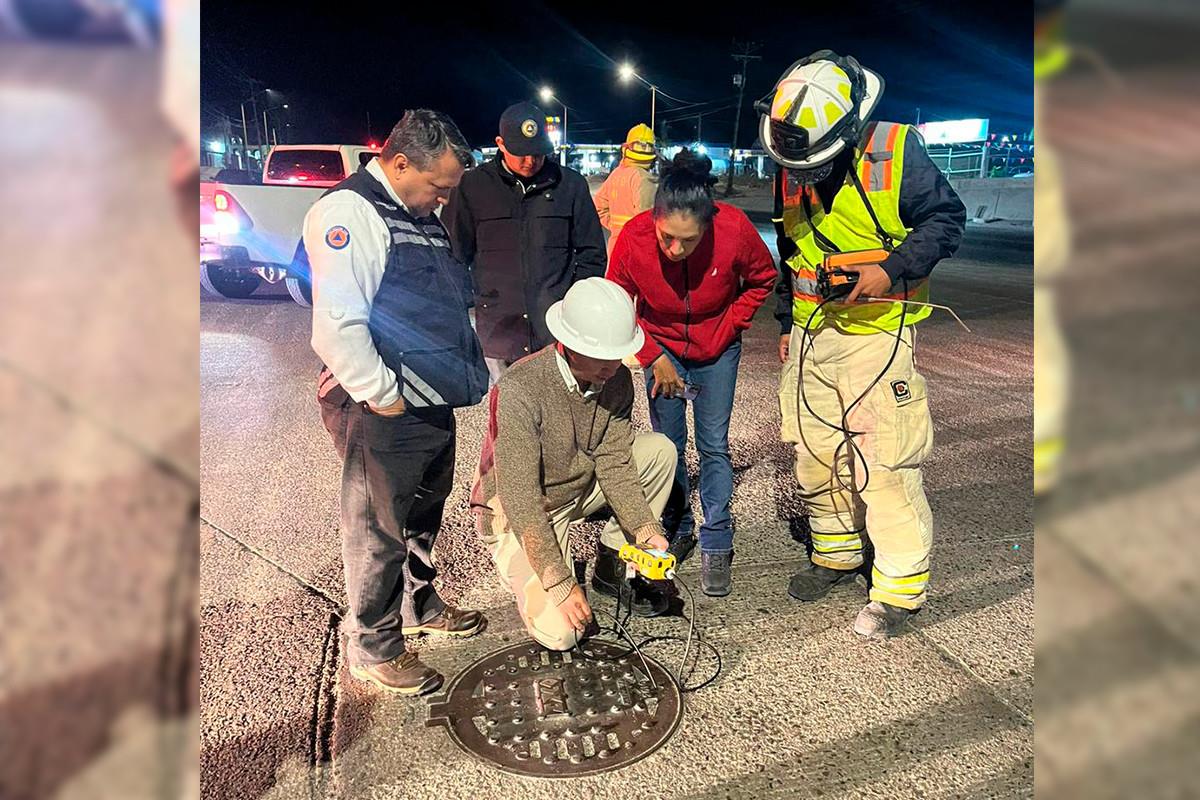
[532, 711]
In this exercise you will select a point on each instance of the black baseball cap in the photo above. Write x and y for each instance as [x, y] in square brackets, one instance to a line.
[523, 129]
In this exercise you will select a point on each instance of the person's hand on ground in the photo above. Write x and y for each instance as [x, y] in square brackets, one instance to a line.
[576, 609]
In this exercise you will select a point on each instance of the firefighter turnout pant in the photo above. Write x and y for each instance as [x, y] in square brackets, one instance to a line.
[876, 489]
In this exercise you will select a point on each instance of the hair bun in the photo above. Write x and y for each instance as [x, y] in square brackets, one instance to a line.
[695, 166]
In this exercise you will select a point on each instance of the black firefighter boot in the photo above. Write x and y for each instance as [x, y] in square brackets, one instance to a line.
[609, 578]
[814, 581]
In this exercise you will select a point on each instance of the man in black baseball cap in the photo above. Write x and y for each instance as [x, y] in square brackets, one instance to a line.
[523, 137]
[527, 228]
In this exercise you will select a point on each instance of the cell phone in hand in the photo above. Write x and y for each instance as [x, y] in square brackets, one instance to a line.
[689, 392]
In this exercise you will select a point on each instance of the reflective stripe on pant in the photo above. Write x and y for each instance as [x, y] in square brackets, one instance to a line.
[1050, 387]
[654, 456]
[897, 436]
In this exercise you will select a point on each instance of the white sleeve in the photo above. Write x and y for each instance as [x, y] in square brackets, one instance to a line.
[346, 274]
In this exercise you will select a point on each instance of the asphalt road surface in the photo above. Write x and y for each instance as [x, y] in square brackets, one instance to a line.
[801, 707]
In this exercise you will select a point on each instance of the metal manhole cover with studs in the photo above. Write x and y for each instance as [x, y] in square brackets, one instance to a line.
[531, 711]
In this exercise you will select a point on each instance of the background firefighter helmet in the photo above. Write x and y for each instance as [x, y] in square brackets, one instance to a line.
[1050, 53]
[817, 108]
[639, 144]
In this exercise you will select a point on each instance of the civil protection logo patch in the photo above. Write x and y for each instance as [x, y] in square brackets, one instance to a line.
[337, 237]
[529, 128]
[901, 391]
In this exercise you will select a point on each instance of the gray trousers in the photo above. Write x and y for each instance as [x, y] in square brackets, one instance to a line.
[396, 475]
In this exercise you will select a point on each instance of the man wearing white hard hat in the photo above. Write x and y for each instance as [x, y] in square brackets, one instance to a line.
[866, 195]
[559, 447]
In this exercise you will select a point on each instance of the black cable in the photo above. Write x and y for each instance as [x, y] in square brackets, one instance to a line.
[699, 642]
[691, 628]
[636, 649]
[680, 677]
[843, 428]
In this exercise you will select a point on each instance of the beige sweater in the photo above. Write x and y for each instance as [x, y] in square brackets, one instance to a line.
[544, 446]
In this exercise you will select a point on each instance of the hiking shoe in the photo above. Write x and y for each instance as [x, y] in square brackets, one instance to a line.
[881, 621]
[814, 581]
[451, 622]
[609, 578]
[715, 575]
[404, 674]
[681, 547]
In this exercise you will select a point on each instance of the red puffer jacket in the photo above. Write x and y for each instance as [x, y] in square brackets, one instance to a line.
[696, 307]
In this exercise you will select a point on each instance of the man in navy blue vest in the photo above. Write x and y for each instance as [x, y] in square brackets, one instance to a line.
[390, 324]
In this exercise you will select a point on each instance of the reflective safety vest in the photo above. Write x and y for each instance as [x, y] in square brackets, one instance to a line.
[849, 226]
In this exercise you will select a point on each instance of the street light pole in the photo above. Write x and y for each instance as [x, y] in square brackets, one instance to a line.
[627, 72]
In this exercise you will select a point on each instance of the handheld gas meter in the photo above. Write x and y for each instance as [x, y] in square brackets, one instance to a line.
[656, 565]
[833, 281]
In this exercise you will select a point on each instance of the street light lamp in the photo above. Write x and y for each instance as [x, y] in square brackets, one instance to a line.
[627, 73]
[547, 94]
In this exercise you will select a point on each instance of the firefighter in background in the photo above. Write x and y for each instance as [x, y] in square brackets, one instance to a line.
[630, 189]
[851, 399]
[1051, 249]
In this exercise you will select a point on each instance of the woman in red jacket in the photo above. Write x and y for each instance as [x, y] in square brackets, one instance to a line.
[699, 271]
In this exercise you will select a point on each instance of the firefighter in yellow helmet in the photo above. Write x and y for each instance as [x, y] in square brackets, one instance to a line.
[1051, 250]
[630, 189]
[852, 401]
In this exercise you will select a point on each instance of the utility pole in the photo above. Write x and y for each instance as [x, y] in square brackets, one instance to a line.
[245, 140]
[743, 53]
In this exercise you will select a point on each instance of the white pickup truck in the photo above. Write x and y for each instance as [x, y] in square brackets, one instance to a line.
[250, 234]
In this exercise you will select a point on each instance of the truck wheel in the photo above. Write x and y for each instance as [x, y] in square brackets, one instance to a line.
[300, 290]
[228, 282]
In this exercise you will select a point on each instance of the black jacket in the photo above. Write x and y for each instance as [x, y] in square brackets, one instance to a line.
[929, 206]
[526, 241]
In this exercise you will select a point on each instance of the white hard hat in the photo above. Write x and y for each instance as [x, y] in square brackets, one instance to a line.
[596, 319]
[817, 107]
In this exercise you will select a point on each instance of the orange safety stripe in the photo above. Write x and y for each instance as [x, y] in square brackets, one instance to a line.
[804, 272]
[891, 144]
[865, 177]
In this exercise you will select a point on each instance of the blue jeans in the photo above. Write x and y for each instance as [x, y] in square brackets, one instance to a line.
[710, 413]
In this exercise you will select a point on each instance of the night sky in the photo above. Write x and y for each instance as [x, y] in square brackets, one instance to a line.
[337, 64]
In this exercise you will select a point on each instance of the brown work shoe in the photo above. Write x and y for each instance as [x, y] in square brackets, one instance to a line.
[404, 674]
[451, 622]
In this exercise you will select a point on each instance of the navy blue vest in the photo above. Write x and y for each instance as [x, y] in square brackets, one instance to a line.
[419, 320]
